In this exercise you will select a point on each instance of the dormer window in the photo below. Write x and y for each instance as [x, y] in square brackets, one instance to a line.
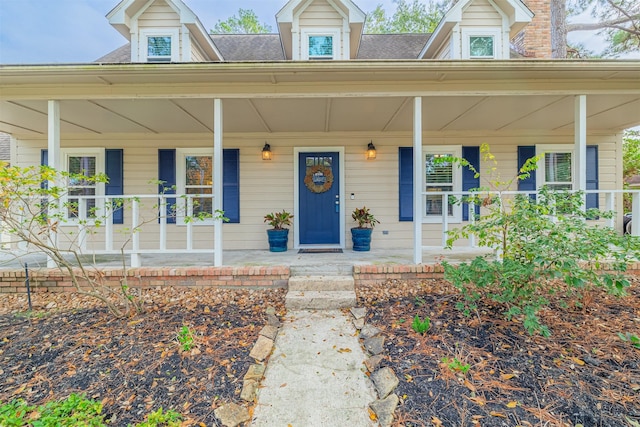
[320, 44]
[320, 47]
[481, 43]
[159, 48]
[159, 45]
[481, 47]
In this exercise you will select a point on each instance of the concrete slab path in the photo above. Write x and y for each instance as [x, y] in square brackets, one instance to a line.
[315, 376]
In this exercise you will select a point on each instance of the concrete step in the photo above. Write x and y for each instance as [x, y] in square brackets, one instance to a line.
[321, 283]
[320, 300]
[326, 269]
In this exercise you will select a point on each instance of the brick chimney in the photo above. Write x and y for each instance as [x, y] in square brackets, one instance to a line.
[535, 40]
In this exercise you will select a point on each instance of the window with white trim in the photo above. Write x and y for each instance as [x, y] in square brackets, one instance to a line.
[195, 180]
[159, 45]
[320, 47]
[441, 176]
[556, 168]
[481, 43]
[320, 44]
[83, 196]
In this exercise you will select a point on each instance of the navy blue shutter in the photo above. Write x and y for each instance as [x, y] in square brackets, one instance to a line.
[113, 166]
[231, 184]
[592, 176]
[405, 190]
[469, 180]
[526, 152]
[44, 161]
[167, 174]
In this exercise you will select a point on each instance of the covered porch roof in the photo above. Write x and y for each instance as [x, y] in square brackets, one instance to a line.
[330, 96]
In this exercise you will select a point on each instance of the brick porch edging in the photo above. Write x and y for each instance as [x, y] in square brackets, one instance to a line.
[13, 281]
[53, 280]
[381, 274]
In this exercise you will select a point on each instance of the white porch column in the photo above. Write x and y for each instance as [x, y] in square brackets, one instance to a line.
[53, 157]
[217, 179]
[417, 180]
[580, 141]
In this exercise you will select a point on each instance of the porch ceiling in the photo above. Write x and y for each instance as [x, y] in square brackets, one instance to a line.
[372, 114]
[320, 97]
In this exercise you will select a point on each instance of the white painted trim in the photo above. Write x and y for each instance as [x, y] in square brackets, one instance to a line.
[498, 41]
[580, 142]
[456, 52]
[217, 178]
[185, 45]
[145, 33]
[335, 33]
[456, 151]
[554, 148]
[296, 192]
[417, 180]
[53, 147]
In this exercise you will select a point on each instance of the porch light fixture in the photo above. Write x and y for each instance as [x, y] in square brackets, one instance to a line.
[371, 151]
[266, 152]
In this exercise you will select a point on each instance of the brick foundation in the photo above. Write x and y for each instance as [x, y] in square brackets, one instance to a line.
[13, 281]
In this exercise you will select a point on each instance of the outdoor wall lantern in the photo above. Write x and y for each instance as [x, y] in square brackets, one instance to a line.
[371, 151]
[266, 152]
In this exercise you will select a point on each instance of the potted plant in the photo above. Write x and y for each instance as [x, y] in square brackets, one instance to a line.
[278, 234]
[361, 235]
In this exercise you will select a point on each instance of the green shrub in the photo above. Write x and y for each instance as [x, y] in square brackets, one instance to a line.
[547, 248]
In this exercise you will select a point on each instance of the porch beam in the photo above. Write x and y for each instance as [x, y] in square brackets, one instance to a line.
[217, 180]
[53, 158]
[580, 141]
[417, 180]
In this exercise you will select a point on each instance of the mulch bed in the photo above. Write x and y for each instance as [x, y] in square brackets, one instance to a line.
[134, 366]
[583, 374]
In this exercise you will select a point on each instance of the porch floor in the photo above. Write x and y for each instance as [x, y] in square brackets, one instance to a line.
[239, 258]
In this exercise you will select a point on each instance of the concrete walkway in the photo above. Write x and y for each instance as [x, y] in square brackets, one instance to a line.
[315, 376]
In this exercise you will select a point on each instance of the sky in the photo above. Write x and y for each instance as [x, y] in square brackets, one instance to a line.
[77, 31]
[67, 31]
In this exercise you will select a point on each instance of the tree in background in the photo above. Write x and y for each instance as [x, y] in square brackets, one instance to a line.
[618, 21]
[630, 161]
[409, 17]
[246, 22]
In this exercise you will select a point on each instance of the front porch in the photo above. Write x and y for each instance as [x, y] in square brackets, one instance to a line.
[248, 268]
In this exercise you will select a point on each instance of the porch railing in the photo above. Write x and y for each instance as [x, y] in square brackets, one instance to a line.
[611, 199]
[146, 229]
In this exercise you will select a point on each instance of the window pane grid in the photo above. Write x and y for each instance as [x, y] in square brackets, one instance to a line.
[438, 178]
[79, 186]
[320, 47]
[481, 47]
[199, 180]
[557, 171]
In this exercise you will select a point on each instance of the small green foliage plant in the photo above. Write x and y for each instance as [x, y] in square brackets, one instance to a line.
[419, 326]
[75, 410]
[185, 338]
[278, 220]
[632, 339]
[456, 365]
[162, 419]
[364, 218]
[546, 246]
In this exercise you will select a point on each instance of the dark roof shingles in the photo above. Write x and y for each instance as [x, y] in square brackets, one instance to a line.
[391, 46]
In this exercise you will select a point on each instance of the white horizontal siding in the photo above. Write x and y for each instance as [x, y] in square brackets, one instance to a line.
[267, 186]
[481, 13]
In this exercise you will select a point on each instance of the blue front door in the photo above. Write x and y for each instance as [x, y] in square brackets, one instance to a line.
[319, 196]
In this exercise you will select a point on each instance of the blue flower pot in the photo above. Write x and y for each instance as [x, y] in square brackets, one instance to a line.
[361, 238]
[278, 240]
